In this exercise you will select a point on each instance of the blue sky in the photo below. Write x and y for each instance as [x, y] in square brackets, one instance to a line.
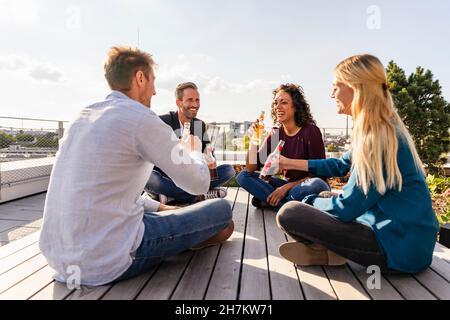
[51, 51]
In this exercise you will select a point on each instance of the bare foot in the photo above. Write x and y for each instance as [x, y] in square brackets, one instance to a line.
[218, 238]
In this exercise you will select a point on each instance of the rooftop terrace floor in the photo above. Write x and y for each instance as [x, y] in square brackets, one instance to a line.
[246, 267]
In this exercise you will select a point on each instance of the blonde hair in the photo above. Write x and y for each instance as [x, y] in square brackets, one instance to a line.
[122, 63]
[376, 124]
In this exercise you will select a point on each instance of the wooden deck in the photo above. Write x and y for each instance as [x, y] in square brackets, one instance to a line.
[20, 218]
[246, 267]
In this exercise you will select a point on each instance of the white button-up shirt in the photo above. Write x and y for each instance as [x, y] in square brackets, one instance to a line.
[93, 210]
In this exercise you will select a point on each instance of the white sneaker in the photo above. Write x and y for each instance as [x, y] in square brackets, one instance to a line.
[215, 193]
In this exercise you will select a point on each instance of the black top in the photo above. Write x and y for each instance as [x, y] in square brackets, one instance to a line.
[198, 128]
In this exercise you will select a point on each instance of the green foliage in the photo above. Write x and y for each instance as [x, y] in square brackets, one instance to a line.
[46, 142]
[6, 140]
[441, 203]
[332, 148]
[438, 185]
[22, 137]
[424, 111]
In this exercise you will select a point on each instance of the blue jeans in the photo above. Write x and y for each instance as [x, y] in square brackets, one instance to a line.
[261, 190]
[170, 232]
[161, 184]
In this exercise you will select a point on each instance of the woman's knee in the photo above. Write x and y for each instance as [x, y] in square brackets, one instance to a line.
[313, 186]
[318, 185]
[227, 171]
[243, 177]
[289, 214]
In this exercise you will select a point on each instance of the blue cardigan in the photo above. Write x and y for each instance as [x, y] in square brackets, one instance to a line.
[404, 222]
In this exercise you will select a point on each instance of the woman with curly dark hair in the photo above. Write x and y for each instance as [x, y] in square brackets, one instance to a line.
[303, 140]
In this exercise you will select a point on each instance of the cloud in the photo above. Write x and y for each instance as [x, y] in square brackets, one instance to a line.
[45, 72]
[187, 68]
[36, 69]
[13, 62]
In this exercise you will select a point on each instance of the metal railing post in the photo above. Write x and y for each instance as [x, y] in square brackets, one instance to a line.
[60, 129]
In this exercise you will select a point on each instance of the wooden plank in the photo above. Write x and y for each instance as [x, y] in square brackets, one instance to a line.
[442, 252]
[254, 283]
[315, 282]
[29, 286]
[129, 289]
[166, 278]
[225, 279]
[20, 215]
[32, 202]
[22, 271]
[434, 283]
[344, 283]
[409, 288]
[19, 257]
[54, 291]
[386, 291]
[284, 280]
[37, 224]
[18, 245]
[89, 293]
[441, 267]
[16, 233]
[6, 225]
[38, 206]
[195, 280]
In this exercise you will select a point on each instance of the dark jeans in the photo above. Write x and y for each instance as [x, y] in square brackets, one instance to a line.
[354, 241]
[261, 190]
[159, 183]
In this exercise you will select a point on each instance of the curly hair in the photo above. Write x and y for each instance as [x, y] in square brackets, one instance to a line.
[302, 114]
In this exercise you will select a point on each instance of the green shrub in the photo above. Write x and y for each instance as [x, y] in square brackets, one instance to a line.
[441, 203]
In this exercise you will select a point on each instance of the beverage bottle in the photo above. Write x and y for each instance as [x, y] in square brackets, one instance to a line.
[271, 166]
[259, 130]
[211, 162]
[186, 131]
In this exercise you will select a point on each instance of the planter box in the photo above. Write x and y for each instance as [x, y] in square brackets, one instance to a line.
[444, 238]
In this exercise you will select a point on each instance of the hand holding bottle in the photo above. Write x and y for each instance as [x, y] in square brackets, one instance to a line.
[211, 162]
[256, 130]
[271, 166]
[191, 143]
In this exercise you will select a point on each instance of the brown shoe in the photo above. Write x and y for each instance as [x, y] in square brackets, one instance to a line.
[310, 254]
[217, 238]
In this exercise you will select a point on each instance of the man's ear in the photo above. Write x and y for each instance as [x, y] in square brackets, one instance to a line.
[139, 77]
[178, 102]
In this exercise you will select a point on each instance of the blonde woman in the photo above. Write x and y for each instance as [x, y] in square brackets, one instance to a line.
[384, 216]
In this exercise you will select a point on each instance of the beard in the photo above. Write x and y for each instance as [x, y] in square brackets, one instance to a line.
[188, 114]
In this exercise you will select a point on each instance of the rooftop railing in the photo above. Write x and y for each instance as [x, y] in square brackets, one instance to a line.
[28, 147]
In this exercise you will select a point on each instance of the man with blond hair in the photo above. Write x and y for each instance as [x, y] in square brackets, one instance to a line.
[95, 219]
